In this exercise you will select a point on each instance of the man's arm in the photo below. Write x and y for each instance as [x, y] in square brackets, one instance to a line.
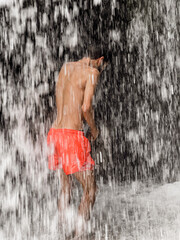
[87, 103]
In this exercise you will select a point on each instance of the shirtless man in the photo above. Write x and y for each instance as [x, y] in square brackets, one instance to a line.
[69, 149]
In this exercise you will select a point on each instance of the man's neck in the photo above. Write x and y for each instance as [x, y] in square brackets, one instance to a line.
[85, 61]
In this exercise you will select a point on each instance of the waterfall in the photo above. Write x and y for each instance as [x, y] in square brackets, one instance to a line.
[136, 104]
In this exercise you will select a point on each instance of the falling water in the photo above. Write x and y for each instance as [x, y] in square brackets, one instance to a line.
[136, 109]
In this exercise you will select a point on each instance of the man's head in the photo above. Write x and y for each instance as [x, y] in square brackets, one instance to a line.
[97, 57]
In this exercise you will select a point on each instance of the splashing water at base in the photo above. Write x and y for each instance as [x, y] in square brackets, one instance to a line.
[127, 211]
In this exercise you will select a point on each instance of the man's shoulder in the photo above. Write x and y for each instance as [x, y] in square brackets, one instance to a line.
[68, 64]
[93, 71]
[85, 69]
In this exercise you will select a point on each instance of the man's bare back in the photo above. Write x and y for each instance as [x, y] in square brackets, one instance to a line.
[74, 91]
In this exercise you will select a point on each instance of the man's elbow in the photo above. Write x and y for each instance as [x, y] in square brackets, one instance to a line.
[86, 108]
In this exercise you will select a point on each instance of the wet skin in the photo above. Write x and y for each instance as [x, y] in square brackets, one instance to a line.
[74, 92]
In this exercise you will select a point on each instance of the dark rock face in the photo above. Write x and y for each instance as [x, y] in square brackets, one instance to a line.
[136, 103]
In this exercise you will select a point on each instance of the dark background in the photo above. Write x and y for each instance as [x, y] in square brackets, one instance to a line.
[135, 144]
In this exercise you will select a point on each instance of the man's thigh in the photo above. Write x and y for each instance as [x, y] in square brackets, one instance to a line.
[86, 178]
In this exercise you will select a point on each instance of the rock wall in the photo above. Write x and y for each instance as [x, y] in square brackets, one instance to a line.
[137, 99]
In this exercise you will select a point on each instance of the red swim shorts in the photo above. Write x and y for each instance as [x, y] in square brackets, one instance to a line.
[69, 149]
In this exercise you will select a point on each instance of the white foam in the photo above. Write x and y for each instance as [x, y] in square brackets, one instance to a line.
[6, 3]
[96, 2]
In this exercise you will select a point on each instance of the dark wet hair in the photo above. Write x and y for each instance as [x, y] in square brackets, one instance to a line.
[97, 51]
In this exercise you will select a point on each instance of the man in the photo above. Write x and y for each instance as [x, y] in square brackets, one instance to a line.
[69, 149]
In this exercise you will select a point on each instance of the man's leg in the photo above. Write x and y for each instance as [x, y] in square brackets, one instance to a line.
[86, 178]
[65, 193]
